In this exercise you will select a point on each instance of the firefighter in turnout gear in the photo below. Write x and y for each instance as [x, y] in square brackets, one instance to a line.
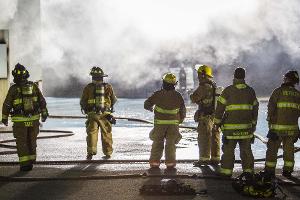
[236, 114]
[283, 115]
[25, 103]
[97, 102]
[204, 96]
[169, 112]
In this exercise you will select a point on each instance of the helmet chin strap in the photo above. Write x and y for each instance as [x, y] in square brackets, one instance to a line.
[97, 81]
[20, 81]
[97, 78]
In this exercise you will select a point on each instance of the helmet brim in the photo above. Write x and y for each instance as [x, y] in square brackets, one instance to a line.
[210, 76]
[103, 75]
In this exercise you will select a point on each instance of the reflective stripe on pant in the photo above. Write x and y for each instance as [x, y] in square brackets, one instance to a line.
[164, 137]
[288, 153]
[93, 124]
[26, 137]
[208, 141]
[228, 157]
[154, 163]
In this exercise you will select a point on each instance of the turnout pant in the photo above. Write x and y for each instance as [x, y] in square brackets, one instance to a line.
[288, 153]
[93, 124]
[164, 137]
[208, 140]
[228, 157]
[26, 136]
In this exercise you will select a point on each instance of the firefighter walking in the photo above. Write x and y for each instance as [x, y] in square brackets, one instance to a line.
[169, 112]
[236, 114]
[204, 97]
[97, 102]
[25, 103]
[283, 115]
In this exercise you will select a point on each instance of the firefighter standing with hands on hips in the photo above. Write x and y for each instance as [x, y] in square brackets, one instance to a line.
[283, 115]
[25, 103]
[204, 96]
[97, 102]
[169, 112]
[236, 114]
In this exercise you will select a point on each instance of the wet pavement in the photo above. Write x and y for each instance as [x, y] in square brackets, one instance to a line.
[90, 181]
[112, 180]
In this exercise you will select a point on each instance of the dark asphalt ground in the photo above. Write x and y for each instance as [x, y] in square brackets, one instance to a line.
[85, 181]
[117, 188]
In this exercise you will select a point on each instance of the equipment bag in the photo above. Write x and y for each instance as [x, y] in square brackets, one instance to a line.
[258, 185]
[168, 187]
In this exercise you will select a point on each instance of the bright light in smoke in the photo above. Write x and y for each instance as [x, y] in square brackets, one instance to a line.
[169, 19]
[136, 40]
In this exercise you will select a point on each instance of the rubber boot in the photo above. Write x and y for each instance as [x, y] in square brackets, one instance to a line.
[26, 168]
[287, 174]
[89, 156]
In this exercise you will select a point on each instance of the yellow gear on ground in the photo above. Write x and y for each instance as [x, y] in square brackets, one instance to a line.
[170, 78]
[204, 69]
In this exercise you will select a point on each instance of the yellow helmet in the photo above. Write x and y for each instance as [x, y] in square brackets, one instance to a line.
[204, 69]
[170, 78]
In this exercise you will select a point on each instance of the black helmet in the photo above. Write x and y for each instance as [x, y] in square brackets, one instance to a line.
[97, 72]
[20, 72]
[292, 76]
[239, 73]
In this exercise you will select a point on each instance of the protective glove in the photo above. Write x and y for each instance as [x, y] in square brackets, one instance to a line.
[272, 135]
[111, 119]
[45, 115]
[5, 121]
[252, 140]
[297, 137]
[83, 111]
[44, 118]
[150, 109]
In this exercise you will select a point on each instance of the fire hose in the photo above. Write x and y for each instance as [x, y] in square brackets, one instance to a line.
[129, 176]
[123, 176]
[70, 162]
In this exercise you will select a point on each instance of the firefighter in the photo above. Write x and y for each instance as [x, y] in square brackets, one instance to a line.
[236, 114]
[25, 103]
[169, 112]
[97, 103]
[283, 114]
[204, 97]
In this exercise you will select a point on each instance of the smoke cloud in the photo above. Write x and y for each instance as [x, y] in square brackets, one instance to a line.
[135, 41]
[8, 12]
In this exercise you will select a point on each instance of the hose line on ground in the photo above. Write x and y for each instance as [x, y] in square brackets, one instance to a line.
[70, 162]
[6, 146]
[129, 176]
[104, 161]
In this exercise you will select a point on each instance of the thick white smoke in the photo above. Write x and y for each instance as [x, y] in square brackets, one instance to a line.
[135, 41]
[8, 10]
